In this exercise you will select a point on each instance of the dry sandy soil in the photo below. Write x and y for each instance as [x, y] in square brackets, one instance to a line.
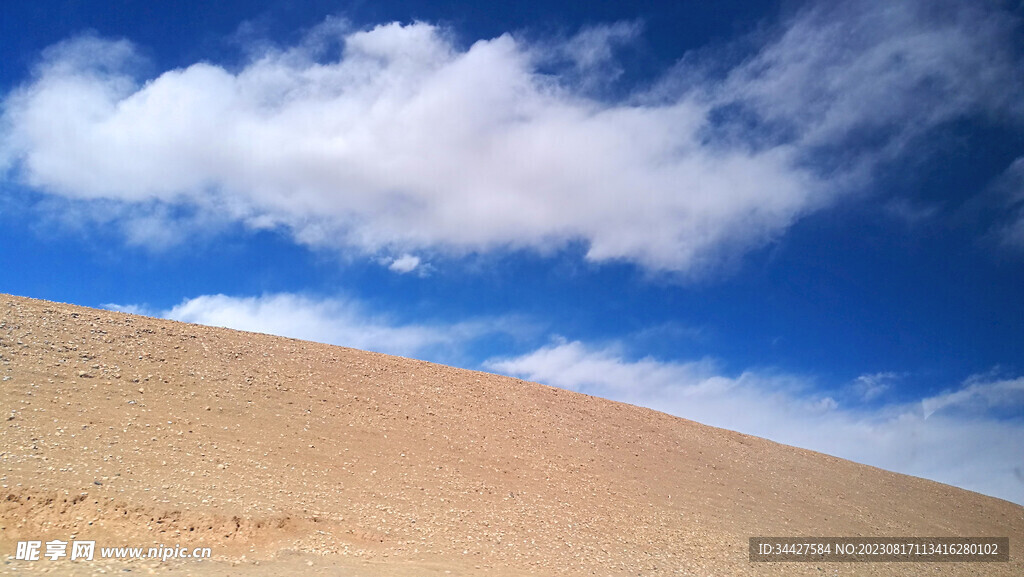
[290, 457]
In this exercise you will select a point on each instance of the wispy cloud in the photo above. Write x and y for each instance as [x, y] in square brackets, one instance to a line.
[870, 77]
[872, 386]
[980, 395]
[343, 322]
[1010, 188]
[962, 437]
[408, 142]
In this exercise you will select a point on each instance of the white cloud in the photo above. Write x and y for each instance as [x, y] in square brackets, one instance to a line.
[408, 142]
[404, 264]
[132, 309]
[336, 321]
[960, 438]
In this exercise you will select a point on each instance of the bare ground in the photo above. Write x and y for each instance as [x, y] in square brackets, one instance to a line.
[290, 457]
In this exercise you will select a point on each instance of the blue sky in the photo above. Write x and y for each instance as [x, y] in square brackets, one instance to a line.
[797, 220]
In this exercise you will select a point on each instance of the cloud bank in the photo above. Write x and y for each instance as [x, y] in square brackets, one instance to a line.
[333, 321]
[409, 142]
[969, 437]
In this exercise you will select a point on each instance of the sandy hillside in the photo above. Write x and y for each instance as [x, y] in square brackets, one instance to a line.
[288, 457]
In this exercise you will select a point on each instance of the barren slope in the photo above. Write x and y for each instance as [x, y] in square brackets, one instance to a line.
[131, 430]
